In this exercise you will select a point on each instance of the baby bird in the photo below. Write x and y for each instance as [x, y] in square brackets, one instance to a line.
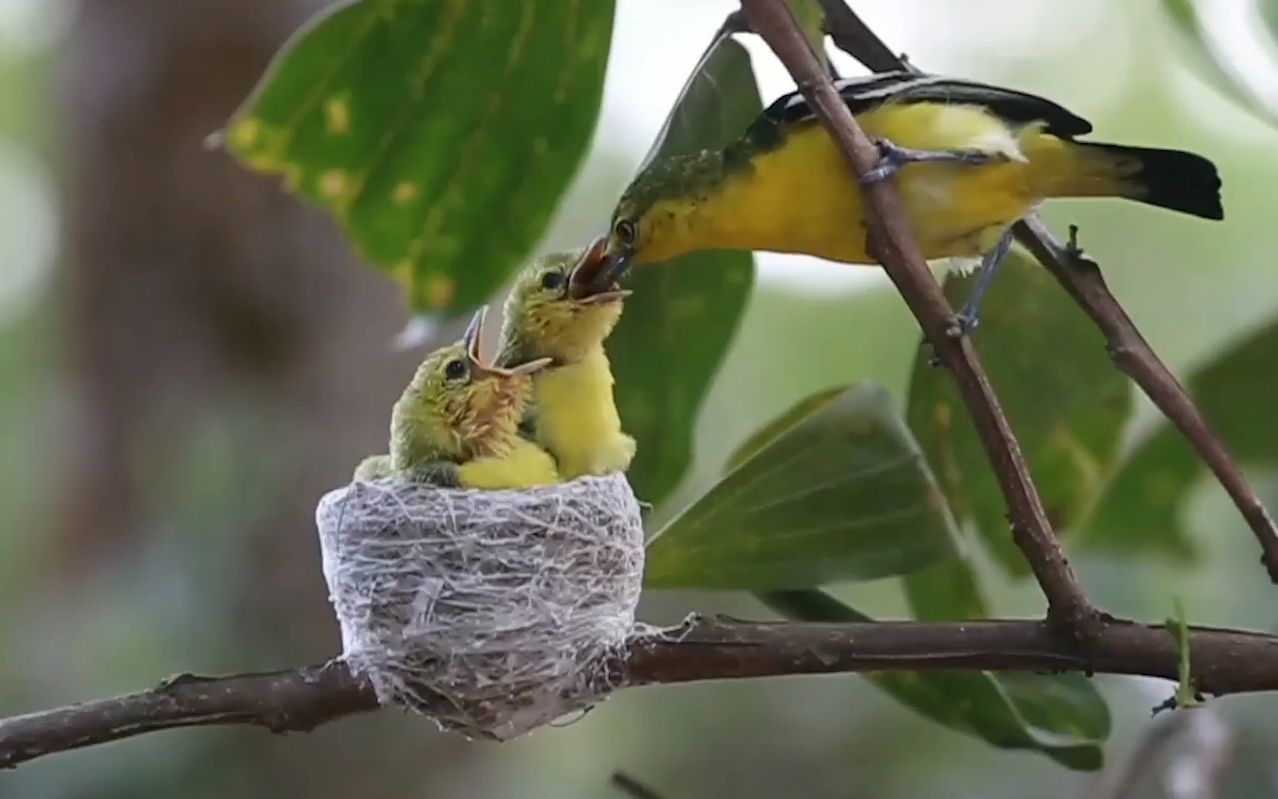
[554, 311]
[456, 424]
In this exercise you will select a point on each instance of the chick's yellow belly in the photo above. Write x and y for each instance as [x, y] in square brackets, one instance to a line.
[806, 202]
[524, 465]
[577, 419]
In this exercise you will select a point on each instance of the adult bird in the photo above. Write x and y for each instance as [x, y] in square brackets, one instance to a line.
[969, 159]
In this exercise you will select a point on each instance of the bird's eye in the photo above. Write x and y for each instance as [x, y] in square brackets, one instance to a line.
[455, 369]
[552, 280]
[625, 230]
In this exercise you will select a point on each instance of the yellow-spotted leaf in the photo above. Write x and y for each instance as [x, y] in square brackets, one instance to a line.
[439, 133]
[838, 491]
[1061, 716]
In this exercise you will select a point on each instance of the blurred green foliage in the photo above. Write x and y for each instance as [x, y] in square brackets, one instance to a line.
[1143, 507]
[1061, 393]
[1213, 46]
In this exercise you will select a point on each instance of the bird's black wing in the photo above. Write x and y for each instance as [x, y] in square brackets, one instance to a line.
[864, 93]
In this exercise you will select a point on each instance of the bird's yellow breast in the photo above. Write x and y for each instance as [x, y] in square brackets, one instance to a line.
[577, 419]
[523, 465]
[799, 197]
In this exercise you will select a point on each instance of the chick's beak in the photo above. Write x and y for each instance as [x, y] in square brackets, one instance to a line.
[526, 368]
[478, 368]
[594, 278]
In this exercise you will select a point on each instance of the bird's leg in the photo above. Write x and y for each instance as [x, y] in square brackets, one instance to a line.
[892, 158]
[968, 317]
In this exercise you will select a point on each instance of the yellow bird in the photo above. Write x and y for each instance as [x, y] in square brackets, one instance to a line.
[552, 313]
[457, 423]
[969, 160]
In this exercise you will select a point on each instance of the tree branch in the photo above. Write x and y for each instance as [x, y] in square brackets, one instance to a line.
[298, 700]
[905, 265]
[295, 700]
[1082, 279]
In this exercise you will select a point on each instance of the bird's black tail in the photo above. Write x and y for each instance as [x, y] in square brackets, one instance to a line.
[1171, 179]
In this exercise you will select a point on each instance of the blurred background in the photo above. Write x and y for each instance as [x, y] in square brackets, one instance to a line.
[189, 358]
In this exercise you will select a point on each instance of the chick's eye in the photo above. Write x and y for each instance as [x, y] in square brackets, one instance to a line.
[455, 370]
[552, 280]
[625, 230]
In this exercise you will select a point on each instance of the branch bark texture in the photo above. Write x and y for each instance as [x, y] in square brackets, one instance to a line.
[297, 700]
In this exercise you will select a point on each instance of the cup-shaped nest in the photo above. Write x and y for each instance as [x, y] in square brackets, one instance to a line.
[492, 612]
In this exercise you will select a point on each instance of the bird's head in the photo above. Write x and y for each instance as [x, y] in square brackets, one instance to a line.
[561, 307]
[458, 406]
[654, 217]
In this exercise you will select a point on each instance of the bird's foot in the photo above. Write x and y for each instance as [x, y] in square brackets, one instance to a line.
[893, 157]
[963, 324]
[967, 320]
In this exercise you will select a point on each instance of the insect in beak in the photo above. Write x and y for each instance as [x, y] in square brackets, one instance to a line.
[591, 281]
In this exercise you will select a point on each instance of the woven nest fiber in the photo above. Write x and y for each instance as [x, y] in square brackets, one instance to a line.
[491, 612]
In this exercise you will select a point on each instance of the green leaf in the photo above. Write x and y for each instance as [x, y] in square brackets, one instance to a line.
[811, 21]
[948, 590]
[1065, 400]
[439, 133]
[1233, 47]
[1063, 717]
[841, 493]
[684, 313]
[1063, 704]
[1142, 506]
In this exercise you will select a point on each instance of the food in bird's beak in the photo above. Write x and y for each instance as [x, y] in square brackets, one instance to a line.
[590, 280]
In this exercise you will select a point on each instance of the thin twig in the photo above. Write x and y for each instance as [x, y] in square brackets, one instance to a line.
[901, 258]
[297, 700]
[633, 787]
[1082, 278]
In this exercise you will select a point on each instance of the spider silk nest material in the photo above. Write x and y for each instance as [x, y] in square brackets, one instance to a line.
[491, 612]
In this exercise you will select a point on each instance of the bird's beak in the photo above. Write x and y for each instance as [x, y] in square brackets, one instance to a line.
[616, 264]
[478, 368]
[526, 368]
[590, 281]
[470, 339]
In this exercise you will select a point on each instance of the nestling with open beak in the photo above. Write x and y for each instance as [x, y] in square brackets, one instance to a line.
[557, 310]
[456, 424]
